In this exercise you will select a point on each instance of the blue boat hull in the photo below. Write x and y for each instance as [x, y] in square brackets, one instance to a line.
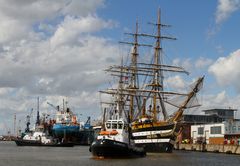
[73, 134]
[61, 130]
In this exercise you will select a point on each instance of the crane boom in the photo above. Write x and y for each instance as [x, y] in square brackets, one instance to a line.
[53, 106]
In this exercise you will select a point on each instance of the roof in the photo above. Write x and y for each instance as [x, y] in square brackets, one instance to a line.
[219, 109]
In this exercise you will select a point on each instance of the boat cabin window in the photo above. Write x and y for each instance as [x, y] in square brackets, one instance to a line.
[108, 125]
[120, 125]
[114, 125]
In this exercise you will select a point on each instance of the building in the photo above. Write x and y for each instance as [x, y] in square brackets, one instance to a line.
[224, 114]
[210, 116]
[216, 133]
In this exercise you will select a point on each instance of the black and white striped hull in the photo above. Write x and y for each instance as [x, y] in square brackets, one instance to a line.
[156, 138]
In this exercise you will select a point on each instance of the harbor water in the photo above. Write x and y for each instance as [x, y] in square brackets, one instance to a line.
[12, 155]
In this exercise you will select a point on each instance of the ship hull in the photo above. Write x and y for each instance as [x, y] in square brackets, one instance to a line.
[61, 130]
[21, 142]
[163, 147]
[73, 134]
[83, 137]
[156, 139]
[110, 148]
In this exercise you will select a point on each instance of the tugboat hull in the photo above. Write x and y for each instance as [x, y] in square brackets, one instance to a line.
[110, 148]
[21, 142]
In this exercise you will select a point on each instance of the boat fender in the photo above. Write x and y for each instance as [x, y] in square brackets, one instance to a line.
[114, 132]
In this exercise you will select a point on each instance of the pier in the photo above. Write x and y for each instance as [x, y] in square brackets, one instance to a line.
[217, 148]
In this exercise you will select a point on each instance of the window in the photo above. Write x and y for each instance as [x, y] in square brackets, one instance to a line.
[120, 125]
[114, 126]
[216, 130]
[200, 130]
[108, 125]
[234, 128]
[238, 128]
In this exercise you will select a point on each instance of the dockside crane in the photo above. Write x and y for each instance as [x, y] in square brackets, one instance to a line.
[53, 106]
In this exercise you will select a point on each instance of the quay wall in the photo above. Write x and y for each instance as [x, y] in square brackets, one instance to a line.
[218, 148]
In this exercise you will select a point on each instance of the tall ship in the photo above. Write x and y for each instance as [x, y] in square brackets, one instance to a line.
[154, 111]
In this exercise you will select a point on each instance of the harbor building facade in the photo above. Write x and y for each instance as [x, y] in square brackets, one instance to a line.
[210, 117]
[216, 133]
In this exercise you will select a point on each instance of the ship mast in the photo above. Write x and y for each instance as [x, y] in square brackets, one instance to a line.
[38, 116]
[134, 85]
[190, 96]
[157, 82]
[120, 96]
[134, 57]
[152, 70]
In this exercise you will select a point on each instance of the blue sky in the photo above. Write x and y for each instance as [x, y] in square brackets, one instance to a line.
[60, 51]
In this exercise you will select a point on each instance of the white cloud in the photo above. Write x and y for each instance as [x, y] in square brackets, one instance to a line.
[71, 28]
[226, 70]
[225, 8]
[52, 52]
[19, 16]
[203, 62]
[220, 100]
[191, 65]
[8, 30]
[185, 63]
[175, 82]
[82, 7]
[36, 67]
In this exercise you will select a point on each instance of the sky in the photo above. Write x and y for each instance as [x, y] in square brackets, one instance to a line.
[58, 50]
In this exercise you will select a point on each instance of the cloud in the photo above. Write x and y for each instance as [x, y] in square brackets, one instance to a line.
[54, 52]
[3, 127]
[203, 62]
[82, 7]
[37, 68]
[226, 70]
[71, 29]
[220, 49]
[190, 65]
[220, 100]
[225, 8]
[26, 14]
[214, 101]
[186, 63]
[175, 82]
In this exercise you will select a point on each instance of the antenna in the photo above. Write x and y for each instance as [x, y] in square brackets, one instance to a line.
[38, 116]
[14, 124]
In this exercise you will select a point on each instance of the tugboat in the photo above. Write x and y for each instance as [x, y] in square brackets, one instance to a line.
[40, 136]
[114, 142]
[114, 139]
